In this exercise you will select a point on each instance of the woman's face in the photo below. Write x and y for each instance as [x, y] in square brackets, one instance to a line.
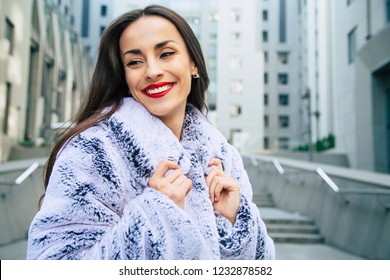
[158, 68]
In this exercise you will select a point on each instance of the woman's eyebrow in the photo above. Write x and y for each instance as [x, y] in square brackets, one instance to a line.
[156, 47]
[163, 44]
[135, 51]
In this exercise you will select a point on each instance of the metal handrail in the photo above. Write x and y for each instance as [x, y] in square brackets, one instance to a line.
[327, 179]
[278, 166]
[340, 172]
[20, 179]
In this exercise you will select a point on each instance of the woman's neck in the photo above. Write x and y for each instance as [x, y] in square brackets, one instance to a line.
[175, 124]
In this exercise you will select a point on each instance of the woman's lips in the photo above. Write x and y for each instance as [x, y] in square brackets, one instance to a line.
[158, 90]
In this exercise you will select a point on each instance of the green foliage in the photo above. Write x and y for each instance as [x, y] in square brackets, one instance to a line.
[27, 143]
[321, 145]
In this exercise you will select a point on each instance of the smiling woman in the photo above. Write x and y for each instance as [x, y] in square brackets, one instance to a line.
[143, 174]
[158, 68]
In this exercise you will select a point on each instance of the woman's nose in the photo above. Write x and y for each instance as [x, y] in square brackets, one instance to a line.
[153, 70]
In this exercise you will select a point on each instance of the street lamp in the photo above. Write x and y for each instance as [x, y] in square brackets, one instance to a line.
[307, 96]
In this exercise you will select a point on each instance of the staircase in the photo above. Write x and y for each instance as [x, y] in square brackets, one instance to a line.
[286, 227]
[263, 199]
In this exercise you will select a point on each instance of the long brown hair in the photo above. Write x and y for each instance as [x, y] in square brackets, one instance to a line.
[108, 85]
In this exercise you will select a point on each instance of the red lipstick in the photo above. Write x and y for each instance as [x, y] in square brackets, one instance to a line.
[158, 90]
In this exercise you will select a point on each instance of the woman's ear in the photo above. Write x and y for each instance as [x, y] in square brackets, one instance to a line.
[194, 69]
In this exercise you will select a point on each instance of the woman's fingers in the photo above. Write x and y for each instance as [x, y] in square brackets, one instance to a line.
[164, 166]
[216, 162]
[158, 176]
[186, 186]
[168, 179]
[212, 185]
[214, 179]
[216, 188]
[212, 174]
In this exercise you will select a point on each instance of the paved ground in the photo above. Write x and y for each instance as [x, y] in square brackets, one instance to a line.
[289, 251]
[292, 251]
[15, 251]
[284, 251]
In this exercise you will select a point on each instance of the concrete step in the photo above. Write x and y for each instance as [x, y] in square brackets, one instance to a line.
[313, 251]
[287, 221]
[264, 203]
[293, 228]
[296, 238]
[286, 227]
[263, 200]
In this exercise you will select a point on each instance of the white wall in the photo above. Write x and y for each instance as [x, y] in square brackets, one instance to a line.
[250, 121]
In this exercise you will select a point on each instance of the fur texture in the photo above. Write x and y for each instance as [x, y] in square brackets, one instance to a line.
[98, 204]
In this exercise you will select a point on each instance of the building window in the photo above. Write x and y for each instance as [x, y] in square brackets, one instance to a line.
[283, 57]
[284, 122]
[235, 110]
[283, 99]
[283, 143]
[265, 15]
[235, 15]
[388, 10]
[7, 108]
[283, 79]
[103, 10]
[351, 45]
[235, 62]
[212, 50]
[282, 21]
[266, 121]
[265, 99]
[266, 78]
[299, 7]
[235, 135]
[266, 143]
[88, 50]
[236, 87]
[265, 57]
[235, 37]
[85, 20]
[102, 29]
[265, 36]
[10, 34]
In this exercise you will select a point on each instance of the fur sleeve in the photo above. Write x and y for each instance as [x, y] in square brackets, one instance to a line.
[95, 209]
[247, 238]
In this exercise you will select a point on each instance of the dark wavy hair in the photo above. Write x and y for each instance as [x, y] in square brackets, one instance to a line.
[108, 85]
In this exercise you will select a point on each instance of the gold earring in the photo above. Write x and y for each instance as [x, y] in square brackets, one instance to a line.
[196, 76]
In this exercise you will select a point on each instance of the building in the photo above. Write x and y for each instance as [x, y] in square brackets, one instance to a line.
[240, 74]
[235, 95]
[361, 82]
[44, 73]
[284, 111]
[92, 17]
[343, 57]
[283, 73]
[314, 51]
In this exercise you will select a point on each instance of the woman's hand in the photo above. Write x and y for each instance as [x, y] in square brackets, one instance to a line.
[168, 179]
[224, 191]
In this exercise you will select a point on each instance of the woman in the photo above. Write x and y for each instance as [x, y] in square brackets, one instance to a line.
[143, 175]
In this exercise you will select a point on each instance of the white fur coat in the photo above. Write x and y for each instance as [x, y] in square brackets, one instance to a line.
[98, 204]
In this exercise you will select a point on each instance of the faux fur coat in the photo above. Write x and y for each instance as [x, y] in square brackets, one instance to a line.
[98, 204]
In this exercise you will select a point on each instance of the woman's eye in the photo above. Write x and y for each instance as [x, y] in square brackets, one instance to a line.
[167, 54]
[133, 63]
